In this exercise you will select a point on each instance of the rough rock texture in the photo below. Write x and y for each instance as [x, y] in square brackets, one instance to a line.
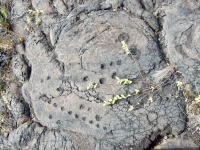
[193, 129]
[181, 33]
[3, 59]
[78, 43]
[19, 63]
[35, 136]
[20, 109]
[176, 143]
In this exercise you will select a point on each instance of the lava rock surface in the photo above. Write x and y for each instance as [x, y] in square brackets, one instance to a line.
[78, 43]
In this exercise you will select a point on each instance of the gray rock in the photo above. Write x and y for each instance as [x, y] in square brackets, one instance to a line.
[152, 116]
[34, 136]
[20, 48]
[79, 43]
[20, 109]
[3, 59]
[136, 8]
[60, 89]
[60, 6]
[18, 11]
[181, 33]
[176, 143]
[20, 67]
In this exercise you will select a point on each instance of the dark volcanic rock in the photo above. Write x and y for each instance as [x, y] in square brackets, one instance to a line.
[3, 59]
[21, 69]
[20, 109]
[34, 136]
[79, 43]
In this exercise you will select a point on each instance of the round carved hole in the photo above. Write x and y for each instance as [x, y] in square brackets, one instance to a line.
[103, 66]
[70, 112]
[58, 122]
[76, 115]
[50, 116]
[84, 118]
[91, 122]
[119, 62]
[98, 118]
[123, 37]
[113, 75]
[102, 80]
[85, 78]
[62, 108]
[98, 126]
[81, 107]
[55, 105]
[134, 51]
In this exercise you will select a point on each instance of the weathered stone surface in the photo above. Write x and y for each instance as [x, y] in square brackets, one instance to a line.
[20, 109]
[177, 143]
[181, 33]
[3, 59]
[79, 43]
[21, 69]
[34, 136]
[61, 93]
